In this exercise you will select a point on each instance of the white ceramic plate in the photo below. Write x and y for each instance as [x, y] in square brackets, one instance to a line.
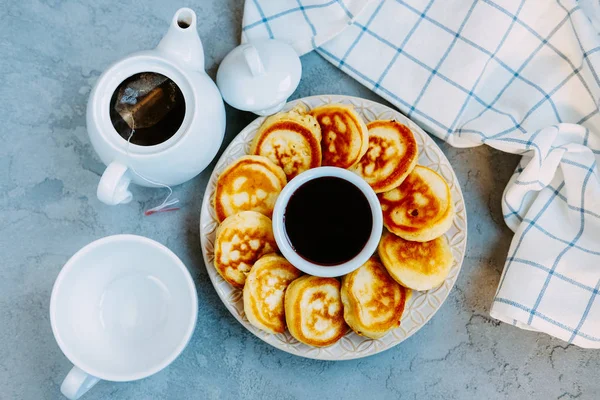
[421, 307]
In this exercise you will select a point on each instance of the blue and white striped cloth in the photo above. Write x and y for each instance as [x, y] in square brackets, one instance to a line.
[520, 76]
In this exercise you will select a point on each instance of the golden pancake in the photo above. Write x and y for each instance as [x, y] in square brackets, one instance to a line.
[421, 208]
[345, 135]
[251, 183]
[264, 290]
[373, 301]
[314, 312]
[291, 140]
[241, 240]
[391, 156]
[416, 265]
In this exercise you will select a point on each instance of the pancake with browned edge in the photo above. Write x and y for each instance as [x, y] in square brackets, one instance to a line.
[391, 156]
[251, 183]
[291, 140]
[242, 239]
[416, 265]
[420, 208]
[373, 301]
[264, 292]
[345, 135]
[314, 312]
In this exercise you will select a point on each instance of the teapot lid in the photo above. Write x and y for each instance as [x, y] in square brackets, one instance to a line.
[259, 76]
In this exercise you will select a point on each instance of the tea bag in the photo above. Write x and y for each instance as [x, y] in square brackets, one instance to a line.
[168, 203]
[145, 99]
[147, 109]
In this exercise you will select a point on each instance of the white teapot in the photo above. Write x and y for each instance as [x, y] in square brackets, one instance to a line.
[197, 128]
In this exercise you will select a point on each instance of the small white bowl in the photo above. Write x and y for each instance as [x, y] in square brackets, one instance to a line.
[283, 241]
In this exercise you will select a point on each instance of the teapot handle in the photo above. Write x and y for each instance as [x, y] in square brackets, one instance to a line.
[114, 184]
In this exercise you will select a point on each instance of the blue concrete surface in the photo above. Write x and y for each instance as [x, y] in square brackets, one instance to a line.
[51, 53]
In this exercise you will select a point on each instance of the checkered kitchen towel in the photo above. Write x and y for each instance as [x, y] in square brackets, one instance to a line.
[518, 75]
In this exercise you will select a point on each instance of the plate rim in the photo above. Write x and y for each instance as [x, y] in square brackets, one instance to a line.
[334, 98]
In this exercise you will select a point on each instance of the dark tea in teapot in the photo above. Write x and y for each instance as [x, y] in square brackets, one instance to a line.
[149, 105]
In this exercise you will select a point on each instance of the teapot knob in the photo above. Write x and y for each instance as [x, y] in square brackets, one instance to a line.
[253, 61]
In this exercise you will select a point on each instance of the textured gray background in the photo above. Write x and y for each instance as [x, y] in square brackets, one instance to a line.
[51, 53]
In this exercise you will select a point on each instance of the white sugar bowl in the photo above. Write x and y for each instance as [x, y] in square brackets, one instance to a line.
[259, 76]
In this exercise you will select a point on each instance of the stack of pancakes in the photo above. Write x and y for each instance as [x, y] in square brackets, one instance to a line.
[417, 214]
[413, 253]
[292, 140]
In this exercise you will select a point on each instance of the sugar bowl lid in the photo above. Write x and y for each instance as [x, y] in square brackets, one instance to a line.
[259, 76]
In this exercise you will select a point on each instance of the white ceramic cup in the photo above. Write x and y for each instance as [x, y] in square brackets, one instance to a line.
[283, 242]
[122, 308]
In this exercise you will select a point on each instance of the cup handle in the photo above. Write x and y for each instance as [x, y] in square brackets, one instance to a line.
[76, 383]
[113, 186]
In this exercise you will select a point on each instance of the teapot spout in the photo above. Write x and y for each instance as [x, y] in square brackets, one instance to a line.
[182, 43]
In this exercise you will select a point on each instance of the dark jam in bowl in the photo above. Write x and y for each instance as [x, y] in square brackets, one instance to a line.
[328, 221]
